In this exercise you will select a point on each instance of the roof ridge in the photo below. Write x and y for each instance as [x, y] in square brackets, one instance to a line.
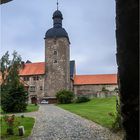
[34, 62]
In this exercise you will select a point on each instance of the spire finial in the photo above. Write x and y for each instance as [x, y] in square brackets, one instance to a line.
[57, 4]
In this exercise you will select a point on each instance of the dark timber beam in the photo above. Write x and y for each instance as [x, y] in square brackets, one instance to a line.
[127, 33]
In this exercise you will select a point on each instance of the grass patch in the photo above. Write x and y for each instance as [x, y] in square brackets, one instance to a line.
[96, 110]
[27, 122]
[30, 108]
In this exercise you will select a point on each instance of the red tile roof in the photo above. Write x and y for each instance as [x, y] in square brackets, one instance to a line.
[95, 79]
[39, 69]
[33, 69]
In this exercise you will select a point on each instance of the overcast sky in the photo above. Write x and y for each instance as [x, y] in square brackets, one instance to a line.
[89, 23]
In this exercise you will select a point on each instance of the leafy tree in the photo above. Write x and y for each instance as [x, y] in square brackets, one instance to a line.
[65, 96]
[13, 95]
[4, 64]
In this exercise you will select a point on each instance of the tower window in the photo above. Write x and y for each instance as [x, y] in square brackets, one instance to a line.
[55, 61]
[41, 88]
[55, 41]
[55, 52]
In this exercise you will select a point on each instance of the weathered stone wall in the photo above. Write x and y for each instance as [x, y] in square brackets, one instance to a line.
[93, 90]
[39, 87]
[57, 58]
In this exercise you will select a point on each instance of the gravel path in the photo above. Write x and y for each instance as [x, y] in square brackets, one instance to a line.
[54, 123]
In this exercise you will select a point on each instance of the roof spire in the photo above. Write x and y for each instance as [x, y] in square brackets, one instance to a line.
[57, 4]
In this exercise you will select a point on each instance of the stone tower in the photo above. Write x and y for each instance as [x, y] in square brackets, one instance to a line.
[57, 57]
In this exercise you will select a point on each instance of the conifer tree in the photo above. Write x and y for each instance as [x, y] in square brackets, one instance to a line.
[13, 95]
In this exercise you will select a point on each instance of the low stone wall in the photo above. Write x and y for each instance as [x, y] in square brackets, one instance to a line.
[94, 90]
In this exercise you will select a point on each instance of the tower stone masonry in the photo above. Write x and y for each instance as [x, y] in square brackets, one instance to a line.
[57, 57]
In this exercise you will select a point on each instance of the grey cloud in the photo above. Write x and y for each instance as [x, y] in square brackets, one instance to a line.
[90, 25]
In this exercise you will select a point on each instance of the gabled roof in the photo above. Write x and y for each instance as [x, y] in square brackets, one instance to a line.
[33, 69]
[39, 69]
[95, 79]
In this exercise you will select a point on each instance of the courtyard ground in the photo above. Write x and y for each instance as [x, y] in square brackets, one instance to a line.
[54, 123]
[97, 110]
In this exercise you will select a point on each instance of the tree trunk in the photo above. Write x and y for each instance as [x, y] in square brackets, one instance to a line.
[127, 27]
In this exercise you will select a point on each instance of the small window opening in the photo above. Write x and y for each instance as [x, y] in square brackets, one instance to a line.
[26, 78]
[32, 88]
[35, 78]
[55, 53]
[55, 61]
[41, 88]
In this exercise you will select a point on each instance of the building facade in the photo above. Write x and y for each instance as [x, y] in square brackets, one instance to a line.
[33, 74]
[45, 79]
[102, 85]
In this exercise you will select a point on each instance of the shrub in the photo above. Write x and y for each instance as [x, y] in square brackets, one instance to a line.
[117, 124]
[11, 123]
[64, 96]
[9, 120]
[82, 99]
[22, 116]
[105, 90]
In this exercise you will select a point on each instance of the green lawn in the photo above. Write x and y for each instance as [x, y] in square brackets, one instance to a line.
[30, 108]
[96, 110]
[26, 122]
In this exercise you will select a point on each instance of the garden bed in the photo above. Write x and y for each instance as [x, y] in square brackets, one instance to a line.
[27, 122]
